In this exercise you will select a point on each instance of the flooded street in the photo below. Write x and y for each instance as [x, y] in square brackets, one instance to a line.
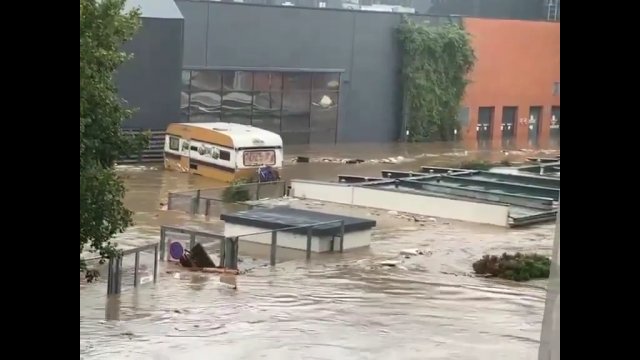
[337, 306]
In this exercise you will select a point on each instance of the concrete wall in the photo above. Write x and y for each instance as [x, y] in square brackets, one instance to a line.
[151, 80]
[360, 44]
[518, 63]
[477, 212]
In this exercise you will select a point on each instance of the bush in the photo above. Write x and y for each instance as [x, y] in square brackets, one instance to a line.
[517, 267]
[236, 192]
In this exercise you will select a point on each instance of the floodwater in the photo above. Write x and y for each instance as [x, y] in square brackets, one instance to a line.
[344, 306]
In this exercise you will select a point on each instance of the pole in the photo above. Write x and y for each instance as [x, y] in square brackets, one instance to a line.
[192, 241]
[163, 244]
[155, 264]
[135, 269]
[309, 236]
[274, 245]
[342, 236]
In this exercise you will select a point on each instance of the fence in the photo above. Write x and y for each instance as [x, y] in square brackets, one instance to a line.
[215, 201]
[229, 248]
[228, 251]
[114, 281]
[229, 245]
[262, 237]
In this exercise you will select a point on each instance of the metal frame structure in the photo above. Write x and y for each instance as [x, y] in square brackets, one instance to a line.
[229, 246]
[195, 197]
[114, 280]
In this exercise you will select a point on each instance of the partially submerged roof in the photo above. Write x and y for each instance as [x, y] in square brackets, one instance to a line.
[284, 217]
[530, 198]
[242, 136]
[158, 9]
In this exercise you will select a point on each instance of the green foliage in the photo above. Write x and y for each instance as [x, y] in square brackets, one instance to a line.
[104, 27]
[236, 192]
[517, 267]
[436, 61]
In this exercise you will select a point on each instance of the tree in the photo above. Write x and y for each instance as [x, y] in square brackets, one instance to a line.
[104, 27]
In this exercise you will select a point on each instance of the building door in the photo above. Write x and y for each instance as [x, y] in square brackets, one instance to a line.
[555, 125]
[535, 115]
[508, 126]
[485, 119]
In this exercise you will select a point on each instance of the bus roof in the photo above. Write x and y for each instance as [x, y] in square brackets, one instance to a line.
[242, 136]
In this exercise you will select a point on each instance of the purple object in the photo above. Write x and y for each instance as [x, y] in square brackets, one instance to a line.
[176, 250]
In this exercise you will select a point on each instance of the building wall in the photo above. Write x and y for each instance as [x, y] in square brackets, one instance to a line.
[361, 45]
[150, 81]
[518, 63]
[503, 9]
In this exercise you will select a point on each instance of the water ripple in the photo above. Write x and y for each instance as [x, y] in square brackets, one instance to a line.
[335, 307]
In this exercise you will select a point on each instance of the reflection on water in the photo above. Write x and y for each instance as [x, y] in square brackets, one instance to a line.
[337, 306]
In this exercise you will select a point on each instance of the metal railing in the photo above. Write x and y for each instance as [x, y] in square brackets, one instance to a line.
[229, 249]
[309, 227]
[212, 201]
[193, 235]
[229, 245]
[114, 279]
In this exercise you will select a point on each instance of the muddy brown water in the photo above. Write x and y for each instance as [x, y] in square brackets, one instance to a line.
[336, 306]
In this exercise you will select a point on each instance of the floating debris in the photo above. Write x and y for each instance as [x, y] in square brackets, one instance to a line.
[390, 263]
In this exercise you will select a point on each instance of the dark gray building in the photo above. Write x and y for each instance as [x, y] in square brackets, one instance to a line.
[507, 9]
[312, 74]
[150, 82]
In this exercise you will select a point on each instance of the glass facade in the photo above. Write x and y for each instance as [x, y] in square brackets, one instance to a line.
[301, 106]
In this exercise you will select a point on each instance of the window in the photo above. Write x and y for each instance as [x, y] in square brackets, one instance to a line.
[300, 106]
[174, 143]
[205, 97]
[225, 155]
[237, 80]
[556, 88]
[259, 157]
[184, 96]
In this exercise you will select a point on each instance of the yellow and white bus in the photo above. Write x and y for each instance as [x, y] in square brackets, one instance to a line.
[221, 151]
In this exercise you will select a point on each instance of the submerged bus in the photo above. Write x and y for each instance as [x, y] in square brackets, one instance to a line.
[221, 151]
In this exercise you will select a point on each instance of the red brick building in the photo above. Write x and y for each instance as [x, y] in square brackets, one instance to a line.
[514, 95]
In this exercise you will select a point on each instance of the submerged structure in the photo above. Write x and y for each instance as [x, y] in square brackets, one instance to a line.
[221, 151]
[484, 197]
[299, 229]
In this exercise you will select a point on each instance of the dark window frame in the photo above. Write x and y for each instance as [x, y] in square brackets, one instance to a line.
[225, 155]
[174, 140]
